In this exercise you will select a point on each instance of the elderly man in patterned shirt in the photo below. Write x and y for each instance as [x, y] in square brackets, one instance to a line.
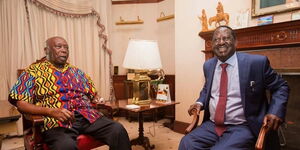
[62, 93]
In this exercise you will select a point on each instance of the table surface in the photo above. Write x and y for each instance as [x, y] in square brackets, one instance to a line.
[8, 112]
[154, 104]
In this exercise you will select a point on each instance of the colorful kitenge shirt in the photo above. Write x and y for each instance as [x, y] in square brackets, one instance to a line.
[47, 86]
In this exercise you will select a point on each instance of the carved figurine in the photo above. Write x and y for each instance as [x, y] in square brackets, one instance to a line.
[221, 16]
[203, 19]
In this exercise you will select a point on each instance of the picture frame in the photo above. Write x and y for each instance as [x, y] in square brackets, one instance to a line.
[265, 20]
[295, 15]
[163, 93]
[266, 7]
[242, 19]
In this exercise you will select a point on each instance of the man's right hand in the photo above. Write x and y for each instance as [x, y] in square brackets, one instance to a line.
[193, 107]
[61, 114]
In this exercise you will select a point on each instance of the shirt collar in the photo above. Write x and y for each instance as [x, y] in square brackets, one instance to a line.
[66, 66]
[231, 61]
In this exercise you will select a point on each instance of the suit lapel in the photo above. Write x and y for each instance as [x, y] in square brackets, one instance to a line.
[243, 74]
[211, 73]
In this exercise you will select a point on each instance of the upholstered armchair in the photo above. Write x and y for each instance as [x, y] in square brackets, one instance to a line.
[33, 139]
[260, 140]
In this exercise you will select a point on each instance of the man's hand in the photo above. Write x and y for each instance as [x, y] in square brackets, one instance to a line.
[62, 114]
[193, 107]
[272, 121]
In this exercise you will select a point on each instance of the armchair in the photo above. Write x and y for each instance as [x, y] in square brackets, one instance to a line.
[260, 140]
[33, 138]
[32, 129]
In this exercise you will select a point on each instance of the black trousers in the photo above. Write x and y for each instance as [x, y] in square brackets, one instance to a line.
[105, 130]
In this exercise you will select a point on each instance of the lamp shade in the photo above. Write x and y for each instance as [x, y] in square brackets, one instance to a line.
[142, 55]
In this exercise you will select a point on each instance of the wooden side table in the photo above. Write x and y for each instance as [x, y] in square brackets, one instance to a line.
[8, 119]
[141, 139]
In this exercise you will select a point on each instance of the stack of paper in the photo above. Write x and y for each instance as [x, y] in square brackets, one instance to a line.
[132, 106]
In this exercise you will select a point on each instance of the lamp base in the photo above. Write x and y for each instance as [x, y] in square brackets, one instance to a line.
[141, 88]
[141, 102]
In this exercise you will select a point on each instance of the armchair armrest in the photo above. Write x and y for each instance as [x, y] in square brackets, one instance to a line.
[261, 137]
[36, 120]
[32, 130]
[107, 108]
[33, 136]
[194, 122]
[260, 140]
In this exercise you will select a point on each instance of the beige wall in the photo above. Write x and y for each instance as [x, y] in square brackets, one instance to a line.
[180, 45]
[188, 45]
[163, 32]
[166, 36]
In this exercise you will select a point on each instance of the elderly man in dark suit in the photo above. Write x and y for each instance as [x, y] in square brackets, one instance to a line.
[234, 98]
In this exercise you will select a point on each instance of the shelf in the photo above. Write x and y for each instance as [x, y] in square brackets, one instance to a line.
[123, 22]
[163, 17]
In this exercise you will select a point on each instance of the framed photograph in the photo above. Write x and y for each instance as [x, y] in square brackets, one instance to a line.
[265, 20]
[163, 93]
[295, 15]
[242, 19]
[265, 7]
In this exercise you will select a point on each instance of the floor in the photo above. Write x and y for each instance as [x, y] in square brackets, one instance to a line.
[163, 138]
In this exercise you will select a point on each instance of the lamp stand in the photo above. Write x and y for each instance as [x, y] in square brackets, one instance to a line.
[141, 88]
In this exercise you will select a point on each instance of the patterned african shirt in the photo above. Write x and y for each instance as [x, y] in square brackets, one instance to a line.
[45, 85]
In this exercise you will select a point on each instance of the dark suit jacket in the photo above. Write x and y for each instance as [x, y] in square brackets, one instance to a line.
[255, 103]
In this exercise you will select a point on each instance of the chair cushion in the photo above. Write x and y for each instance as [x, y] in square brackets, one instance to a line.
[86, 142]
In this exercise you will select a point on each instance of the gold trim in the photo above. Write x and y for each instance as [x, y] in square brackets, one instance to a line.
[163, 17]
[123, 22]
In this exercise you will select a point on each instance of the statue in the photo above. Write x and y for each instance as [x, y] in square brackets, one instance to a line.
[221, 16]
[203, 19]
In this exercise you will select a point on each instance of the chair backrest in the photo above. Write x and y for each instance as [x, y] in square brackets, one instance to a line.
[27, 124]
[19, 71]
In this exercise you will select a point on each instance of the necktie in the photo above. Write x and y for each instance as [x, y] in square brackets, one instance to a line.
[221, 106]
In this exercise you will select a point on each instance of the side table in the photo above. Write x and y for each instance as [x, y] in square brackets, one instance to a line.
[141, 139]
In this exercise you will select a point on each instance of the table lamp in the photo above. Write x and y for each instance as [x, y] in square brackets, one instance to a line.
[142, 56]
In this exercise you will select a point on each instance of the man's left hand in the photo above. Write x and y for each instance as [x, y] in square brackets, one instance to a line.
[272, 121]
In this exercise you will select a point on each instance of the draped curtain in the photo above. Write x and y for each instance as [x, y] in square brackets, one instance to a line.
[27, 24]
[13, 42]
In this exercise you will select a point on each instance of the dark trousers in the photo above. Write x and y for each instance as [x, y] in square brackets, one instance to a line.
[204, 137]
[104, 129]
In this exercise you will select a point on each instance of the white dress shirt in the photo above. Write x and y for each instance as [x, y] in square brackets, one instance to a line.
[234, 113]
